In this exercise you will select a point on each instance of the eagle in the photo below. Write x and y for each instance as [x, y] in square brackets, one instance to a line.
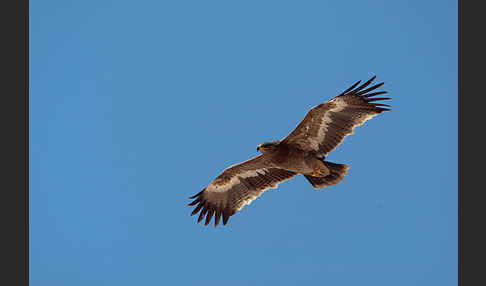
[303, 151]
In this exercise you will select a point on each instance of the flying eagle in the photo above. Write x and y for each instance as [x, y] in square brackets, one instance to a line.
[302, 152]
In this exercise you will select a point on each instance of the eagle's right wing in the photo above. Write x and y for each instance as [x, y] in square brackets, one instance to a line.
[326, 125]
[236, 187]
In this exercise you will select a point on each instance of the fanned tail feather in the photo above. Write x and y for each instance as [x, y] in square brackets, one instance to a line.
[338, 171]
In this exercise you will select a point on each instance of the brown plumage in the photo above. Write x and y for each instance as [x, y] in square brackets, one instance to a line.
[302, 152]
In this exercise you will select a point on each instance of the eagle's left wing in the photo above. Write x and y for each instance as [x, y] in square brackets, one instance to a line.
[236, 187]
[325, 126]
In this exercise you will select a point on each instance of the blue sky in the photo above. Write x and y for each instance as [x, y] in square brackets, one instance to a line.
[137, 105]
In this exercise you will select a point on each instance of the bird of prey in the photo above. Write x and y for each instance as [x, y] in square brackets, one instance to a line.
[303, 151]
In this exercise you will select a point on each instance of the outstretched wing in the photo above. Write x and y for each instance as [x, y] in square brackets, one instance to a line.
[236, 187]
[325, 126]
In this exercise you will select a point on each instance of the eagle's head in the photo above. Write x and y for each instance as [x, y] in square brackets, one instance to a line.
[268, 147]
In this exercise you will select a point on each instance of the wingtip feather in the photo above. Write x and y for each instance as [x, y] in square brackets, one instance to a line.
[196, 210]
[374, 93]
[194, 202]
[377, 99]
[225, 217]
[350, 88]
[209, 216]
[362, 92]
[196, 195]
[203, 213]
[381, 104]
[364, 84]
[217, 217]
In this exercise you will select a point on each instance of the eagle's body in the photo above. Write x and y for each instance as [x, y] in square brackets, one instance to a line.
[288, 157]
[302, 152]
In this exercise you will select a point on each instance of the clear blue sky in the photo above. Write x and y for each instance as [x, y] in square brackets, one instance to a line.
[137, 105]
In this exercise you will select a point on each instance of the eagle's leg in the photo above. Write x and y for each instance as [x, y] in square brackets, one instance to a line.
[320, 173]
[320, 170]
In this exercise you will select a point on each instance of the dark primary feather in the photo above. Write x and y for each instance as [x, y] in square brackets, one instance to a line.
[374, 93]
[351, 87]
[196, 195]
[364, 84]
[368, 89]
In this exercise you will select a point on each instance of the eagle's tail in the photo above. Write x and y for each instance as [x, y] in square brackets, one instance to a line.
[338, 171]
